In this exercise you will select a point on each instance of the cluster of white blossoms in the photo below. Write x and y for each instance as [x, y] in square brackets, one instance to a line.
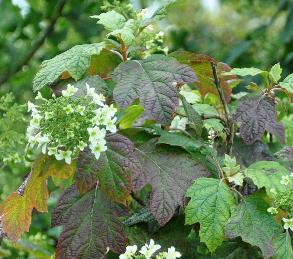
[148, 250]
[63, 126]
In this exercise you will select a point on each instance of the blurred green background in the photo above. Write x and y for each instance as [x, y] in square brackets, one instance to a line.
[242, 33]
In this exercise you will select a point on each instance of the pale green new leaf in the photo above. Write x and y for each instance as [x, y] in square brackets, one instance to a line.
[276, 72]
[251, 71]
[288, 83]
[130, 115]
[110, 20]
[71, 63]
[268, 174]
[210, 206]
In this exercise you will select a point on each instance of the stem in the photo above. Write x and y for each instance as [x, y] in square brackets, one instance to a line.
[38, 43]
[123, 49]
[228, 121]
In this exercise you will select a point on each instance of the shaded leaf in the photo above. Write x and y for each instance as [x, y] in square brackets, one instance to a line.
[251, 71]
[268, 174]
[152, 81]
[91, 225]
[251, 221]
[72, 63]
[257, 114]
[201, 64]
[287, 83]
[210, 205]
[170, 172]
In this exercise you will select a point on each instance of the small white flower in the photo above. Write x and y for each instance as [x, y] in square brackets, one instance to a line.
[66, 155]
[291, 174]
[98, 148]
[272, 210]
[172, 253]
[98, 99]
[90, 91]
[96, 134]
[70, 91]
[68, 109]
[82, 145]
[110, 126]
[288, 223]
[52, 151]
[40, 97]
[48, 115]
[35, 121]
[80, 109]
[149, 250]
[130, 251]
[285, 180]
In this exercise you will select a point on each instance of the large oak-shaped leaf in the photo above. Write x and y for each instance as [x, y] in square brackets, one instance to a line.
[210, 205]
[170, 172]
[251, 221]
[201, 65]
[72, 63]
[16, 210]
[91, 225]
[257, 114]
[114, 169]
[152, 81]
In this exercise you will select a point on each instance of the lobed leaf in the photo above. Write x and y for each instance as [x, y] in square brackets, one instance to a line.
[257, 114]
[170, 172]
[72, 63]
[152, 81]
[251, 221]
[210, 205]
[283, 246]
[91, 225]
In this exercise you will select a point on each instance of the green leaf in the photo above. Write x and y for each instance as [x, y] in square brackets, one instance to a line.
[283, 246]
[192, 116]
[91, 224]
[276, 72]
[130, 115]
[251, 71]
[210, 206]
[251, 221]
[268, 174]
[204, 109]
[152, 81]
[287, 83]
[170, 172]
[72, 63]
[214, 124]
[111, 20]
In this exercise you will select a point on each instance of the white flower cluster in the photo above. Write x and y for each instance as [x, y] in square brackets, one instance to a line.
[92, 111]
[148, 250]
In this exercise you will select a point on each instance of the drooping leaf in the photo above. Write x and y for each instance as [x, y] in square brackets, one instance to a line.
[283, 246]
[16, 210]
[251, 221]
[170, 172]
[91, 225]
[115, 169]
[192, 116]
[72, 63]
[268, 174]
[152, 81]
[257, 114]
[210, 205]
[201, 65]
[287, 83]
[276, 72]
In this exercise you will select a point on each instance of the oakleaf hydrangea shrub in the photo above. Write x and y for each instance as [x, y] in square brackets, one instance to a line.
[153, 145]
